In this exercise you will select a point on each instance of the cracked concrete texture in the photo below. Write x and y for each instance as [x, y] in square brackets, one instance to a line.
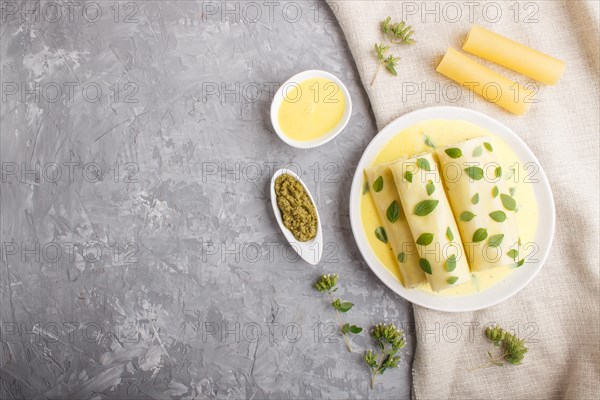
[140, 254]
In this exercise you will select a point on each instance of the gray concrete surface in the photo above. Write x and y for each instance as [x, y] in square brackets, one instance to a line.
[140, 255]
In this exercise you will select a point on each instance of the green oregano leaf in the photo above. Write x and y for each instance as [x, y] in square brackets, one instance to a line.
[355, 329]
[453, 152]
[425, 239]
[452, 280]
[488, 146]
[345, 328]
[430, 187]
[474, 173]
[480, 234]
[378, 184]
[498, 172]
[512, 191]
[466, 216]
[508, 202]
[449, 234]
[428, 141]
[495, 191]
[425, 207]
[496, 240]
[498, 216]
[408, 176]
[390, 66]
[381, 235]
[425, 266]
[475, 198]
[393, 212]
[520, 263]
[423, 164]
[478, 151]
[450, 263]
[342, 306]
[513, 253]
[402, 257]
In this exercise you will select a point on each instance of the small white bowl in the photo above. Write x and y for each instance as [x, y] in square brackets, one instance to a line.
[312, 250]
[279, 98]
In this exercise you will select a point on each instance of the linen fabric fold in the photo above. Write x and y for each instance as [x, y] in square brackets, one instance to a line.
[557, 312]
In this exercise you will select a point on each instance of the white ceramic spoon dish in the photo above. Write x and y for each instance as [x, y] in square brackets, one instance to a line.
[312, 250]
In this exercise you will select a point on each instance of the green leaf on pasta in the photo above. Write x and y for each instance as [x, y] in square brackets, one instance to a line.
[498, 216]
[393, 212]
[450, 263]
[425, 239]
[466, 216]
[430, 187]
[508, 202]
[453, 152]
[423, 164]
[480, 235]
[425, 266]
[498, 172]
[496, 240]
[381, 235]
[452, 280]
[425, 207]
[474, 173]
[378, 184]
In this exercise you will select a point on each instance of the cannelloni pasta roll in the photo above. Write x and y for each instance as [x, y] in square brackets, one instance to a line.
[431, 222]
[482, 204]
[516, 56]
[489, 84]
[385, 196]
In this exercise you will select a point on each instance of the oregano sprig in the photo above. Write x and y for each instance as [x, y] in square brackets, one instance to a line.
[385, 60]
[327, 284]
[389, 340]
[396, 33]
[513, 348]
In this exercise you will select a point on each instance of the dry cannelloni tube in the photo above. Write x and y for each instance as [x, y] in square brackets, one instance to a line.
[397, 233]
[431, 222]
[483, 206]
[492, 86]
[516, 56]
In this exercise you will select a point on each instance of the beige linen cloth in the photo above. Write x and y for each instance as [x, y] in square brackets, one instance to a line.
[559, 311]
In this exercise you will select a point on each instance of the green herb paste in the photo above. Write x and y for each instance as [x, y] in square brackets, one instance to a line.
[298, 212]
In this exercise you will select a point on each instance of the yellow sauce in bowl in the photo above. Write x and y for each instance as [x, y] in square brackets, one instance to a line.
[311, 109]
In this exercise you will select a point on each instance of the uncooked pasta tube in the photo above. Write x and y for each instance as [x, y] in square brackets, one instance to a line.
[492, 86]
[482, 204]
[514, 55]
[385, 196]
[431, 222]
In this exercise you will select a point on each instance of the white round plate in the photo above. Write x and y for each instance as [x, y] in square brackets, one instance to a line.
[502, 290]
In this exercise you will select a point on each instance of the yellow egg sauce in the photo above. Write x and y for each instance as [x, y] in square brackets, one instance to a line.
[311, 109]
[441, 133]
